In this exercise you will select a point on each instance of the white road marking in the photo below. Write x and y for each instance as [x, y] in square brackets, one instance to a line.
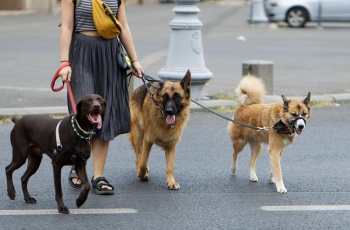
[307, 208]
[35, 110]
[72, 211]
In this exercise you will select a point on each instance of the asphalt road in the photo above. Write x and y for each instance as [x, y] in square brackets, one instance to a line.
[315, 170]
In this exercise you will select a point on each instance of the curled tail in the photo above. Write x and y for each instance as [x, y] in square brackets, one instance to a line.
[252, 89]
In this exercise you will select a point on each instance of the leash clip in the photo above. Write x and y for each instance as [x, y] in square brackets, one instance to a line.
[73, 157]
[57, 150]
[262, 129]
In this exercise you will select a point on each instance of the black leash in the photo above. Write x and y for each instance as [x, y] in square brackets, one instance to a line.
[146, 78]
[149, 79]
[229, 119]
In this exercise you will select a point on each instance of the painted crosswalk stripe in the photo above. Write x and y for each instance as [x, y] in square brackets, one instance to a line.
[72, 211]
[307, 208]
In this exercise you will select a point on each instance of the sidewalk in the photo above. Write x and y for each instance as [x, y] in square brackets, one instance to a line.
[309, 59]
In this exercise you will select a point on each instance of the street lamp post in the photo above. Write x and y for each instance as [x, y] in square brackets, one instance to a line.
[186, 50]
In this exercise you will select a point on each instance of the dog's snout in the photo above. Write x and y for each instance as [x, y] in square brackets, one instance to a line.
[96, 108]
[170, 108]
[300, 124]
[169, 111]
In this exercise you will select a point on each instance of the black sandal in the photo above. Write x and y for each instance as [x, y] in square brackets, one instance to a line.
[72, 175]
[97, 186]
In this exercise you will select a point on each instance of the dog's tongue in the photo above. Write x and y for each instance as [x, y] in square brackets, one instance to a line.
[299, 131]
[96, 119]
[170, 119]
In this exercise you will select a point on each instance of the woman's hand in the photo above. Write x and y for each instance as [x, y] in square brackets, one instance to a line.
[137, 69]
[65, 73]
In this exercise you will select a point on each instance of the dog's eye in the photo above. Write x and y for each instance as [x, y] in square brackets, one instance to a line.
[177, 97]
[294, 114]
[165, 97]
[303, 113]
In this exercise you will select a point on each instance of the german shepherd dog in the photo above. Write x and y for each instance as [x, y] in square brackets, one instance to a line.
[285, 119]
[159, 116]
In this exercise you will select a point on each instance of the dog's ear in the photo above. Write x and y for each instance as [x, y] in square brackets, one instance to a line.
[186, 82]
[104, 106]
[285, 103]
[78, 107]
[307, 100]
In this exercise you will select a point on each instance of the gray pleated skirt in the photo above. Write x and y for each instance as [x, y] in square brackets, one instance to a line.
[95, 70]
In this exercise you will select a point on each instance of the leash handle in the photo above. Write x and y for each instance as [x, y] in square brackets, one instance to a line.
[56, 76]
[53, 81]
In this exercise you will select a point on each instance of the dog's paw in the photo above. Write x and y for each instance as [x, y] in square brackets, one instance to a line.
[282, 190]
[63, 210]
[173, 186]
[30, 200]
[233, 169]
[280, 187]
[143, 174]
[80, 201]
[253, 177]
[12, 196]
[144, 178]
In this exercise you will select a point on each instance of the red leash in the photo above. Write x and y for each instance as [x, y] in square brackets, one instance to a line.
[71, 98]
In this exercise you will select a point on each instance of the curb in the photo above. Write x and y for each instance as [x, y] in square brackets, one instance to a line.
[343, 98]
[62, 110]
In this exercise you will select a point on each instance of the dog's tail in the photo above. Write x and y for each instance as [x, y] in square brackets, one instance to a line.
[252, 89]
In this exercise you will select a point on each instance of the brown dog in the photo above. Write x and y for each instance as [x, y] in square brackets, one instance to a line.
[162, 125]
[34, 135]
[285, 120]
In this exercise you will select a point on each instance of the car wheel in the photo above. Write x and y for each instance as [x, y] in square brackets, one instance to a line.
[297, 17]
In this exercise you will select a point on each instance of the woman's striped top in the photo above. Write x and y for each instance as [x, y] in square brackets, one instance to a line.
[83, 14]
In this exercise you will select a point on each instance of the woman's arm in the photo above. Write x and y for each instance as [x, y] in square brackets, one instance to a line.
[67, 20]
[127, 40]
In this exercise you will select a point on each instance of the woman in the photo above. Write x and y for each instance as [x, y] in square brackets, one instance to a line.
[94, 69]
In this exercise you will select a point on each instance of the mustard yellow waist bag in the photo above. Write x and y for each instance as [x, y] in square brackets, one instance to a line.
[107, 25]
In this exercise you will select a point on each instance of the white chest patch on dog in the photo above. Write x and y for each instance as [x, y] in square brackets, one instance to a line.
[287, 142]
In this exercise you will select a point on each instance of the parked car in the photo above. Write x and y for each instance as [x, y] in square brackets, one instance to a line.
[298, 12]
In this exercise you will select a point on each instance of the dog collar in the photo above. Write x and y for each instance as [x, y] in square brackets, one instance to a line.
[76, 126]
[282, 128]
